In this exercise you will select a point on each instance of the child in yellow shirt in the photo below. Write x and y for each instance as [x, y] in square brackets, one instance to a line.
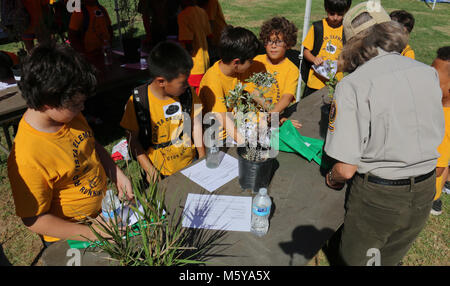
[278, 35]
[407, 20]
[442, 65]
[193, 32]
[317, 51]
[238, 46]
[57, 170]
[169, 146]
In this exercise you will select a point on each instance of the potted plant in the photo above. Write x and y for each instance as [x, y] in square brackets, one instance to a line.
[128, 11]
[256, 162]
[327, 100]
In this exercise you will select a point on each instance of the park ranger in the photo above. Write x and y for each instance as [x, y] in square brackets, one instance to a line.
[385, 124]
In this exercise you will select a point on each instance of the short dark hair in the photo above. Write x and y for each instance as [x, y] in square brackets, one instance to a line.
[404, 18]
[169, 60]
[443, 53]
[338, 6]
[6, 64]
[53, 75]
[279, 25]
[238, 43]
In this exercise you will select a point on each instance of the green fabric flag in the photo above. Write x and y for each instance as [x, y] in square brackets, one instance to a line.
[290, 140]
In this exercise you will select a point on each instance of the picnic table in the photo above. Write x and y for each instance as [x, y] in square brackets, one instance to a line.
[109, 78]
[305, 212]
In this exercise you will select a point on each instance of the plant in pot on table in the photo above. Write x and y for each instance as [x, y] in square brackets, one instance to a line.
[129, 15]
[256, 160]
[327, 100]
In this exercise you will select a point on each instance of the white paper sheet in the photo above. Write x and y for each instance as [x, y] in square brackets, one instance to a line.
[232, 213]
[212, 179]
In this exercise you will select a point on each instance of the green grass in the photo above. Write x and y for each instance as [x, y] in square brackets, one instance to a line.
[432, 30]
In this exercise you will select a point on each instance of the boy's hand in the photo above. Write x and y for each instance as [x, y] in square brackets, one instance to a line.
[124, 186]
[153, 175]
[318, 61]
[296, 123]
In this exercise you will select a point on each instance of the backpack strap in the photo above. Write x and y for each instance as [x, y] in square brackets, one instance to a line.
[318, 41]
[142, 110]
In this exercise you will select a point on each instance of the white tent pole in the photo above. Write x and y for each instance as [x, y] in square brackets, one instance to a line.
[116, 8]
[434, 4]
[305, 32]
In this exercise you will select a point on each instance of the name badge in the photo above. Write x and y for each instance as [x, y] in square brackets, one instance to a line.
[172, 109]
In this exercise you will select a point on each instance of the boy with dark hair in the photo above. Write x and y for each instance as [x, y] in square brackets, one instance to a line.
[90, 30]
[238, 46]
[278, 35]
[407, 20]
[56, 168]
[193, 32]
[324, 41]
[442, 65]
[155, 116]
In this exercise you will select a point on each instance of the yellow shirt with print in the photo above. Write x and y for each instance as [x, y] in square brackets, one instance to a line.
[214, 86]
[409, 52]
[56, 173]
[331, 48]
[165, 128]
[286, 77]
[214, 11]
[444, 150]
[97, 31]
[193, 25]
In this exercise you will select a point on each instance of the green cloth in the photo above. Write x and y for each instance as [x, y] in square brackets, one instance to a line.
[290, 140]
[135, 230]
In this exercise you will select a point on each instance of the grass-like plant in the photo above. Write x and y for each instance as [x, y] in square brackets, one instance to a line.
[157, 239]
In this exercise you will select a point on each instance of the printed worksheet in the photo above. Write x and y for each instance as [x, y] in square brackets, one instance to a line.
[212, 179]
[231, 213]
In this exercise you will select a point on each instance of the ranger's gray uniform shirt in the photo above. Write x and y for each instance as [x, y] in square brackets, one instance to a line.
[388, 118]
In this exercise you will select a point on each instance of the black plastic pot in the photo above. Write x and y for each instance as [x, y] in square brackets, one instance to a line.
[131, 48]
[254, 175]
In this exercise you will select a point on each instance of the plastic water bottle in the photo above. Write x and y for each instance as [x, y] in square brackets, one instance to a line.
[212, 157]
[110, 205]
[260, 213]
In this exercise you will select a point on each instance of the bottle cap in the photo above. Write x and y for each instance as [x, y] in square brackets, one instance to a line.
[263, 191]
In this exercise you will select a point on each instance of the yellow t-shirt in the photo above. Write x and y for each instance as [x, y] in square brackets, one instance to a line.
[286, 77]
[214, 11]
[165, 128]
[193, 25]
[97, 32]
[214, 86]
[57, 173]
[331, 48]
[444, 150]
[409, 52]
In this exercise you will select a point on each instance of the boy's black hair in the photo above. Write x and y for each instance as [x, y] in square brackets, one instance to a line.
[238, 43]
[403, 17]
[5, 66]
[338, 6]
[169, 60]
[53, 75]
[443, 53]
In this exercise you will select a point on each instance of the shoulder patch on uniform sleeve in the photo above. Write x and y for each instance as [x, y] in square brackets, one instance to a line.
[332, 116]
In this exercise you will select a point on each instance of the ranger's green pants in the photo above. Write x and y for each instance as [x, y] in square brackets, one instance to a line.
[382, 222]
